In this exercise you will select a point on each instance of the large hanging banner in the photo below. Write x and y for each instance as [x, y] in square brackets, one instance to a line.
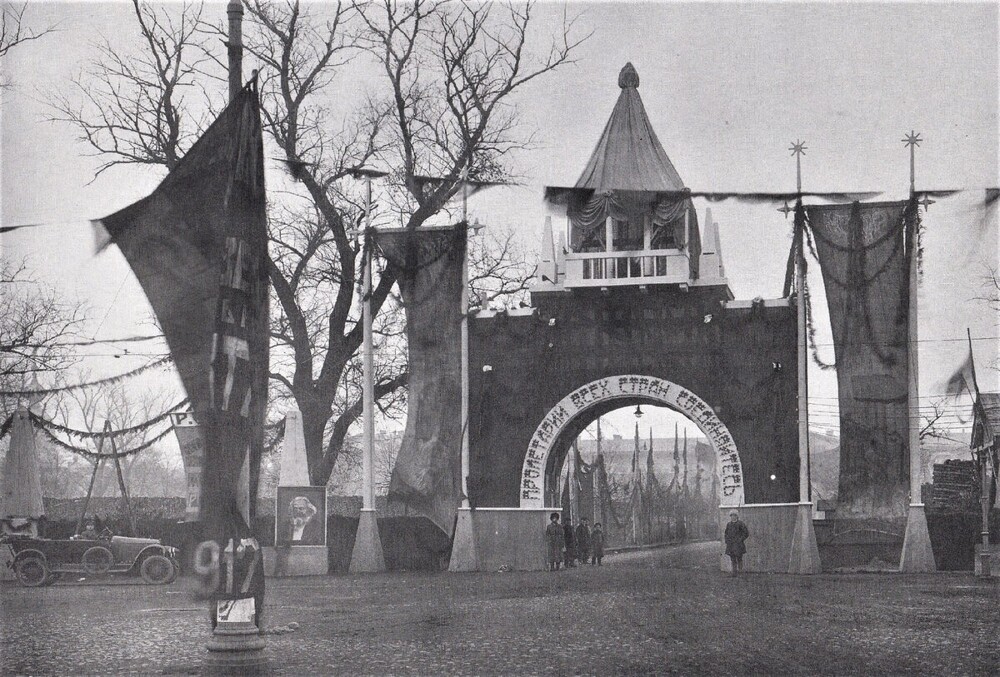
[427, 264]
[864, 252]
[198, 246]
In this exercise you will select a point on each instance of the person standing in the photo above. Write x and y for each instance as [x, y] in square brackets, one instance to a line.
[570, 543]
[736, 536]
[554, 541]
[596, 545]
[583, 541]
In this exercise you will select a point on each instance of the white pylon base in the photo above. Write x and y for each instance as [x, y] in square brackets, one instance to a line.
[918, 555]
[804, 557]
[367, 557]
[464, 555]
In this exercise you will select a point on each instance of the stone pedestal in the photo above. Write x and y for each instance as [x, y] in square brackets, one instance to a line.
[917, 557]
[464, 555]
[987, 562]
[235, 649]
[804, 558]
[296, 560]
[367, 556]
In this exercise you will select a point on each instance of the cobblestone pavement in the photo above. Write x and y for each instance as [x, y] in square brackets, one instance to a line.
[658, 611]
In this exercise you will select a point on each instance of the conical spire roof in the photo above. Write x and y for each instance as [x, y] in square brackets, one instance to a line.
[628, 155]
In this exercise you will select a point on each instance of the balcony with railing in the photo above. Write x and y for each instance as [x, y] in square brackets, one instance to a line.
[621, 268]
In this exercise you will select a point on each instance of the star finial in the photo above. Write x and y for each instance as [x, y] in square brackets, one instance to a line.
[798, 148]
[912, 139]
[786, 210]
[926, 201]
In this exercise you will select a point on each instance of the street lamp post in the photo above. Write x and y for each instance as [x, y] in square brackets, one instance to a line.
[367, 556]
[464, 555]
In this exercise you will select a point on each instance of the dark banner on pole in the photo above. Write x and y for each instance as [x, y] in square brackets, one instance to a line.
[198, 245]
[864, 254]
[428, 265]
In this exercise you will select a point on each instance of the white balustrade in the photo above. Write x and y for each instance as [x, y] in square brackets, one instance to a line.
[639, 267]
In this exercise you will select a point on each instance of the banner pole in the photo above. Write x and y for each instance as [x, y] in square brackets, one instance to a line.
[804, 556]
[917, 555]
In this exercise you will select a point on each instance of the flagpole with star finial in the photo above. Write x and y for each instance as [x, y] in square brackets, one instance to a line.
[917, 555]
[804, 557]
[798, 149]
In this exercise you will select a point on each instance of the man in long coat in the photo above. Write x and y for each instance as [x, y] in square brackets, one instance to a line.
[570, 544]
[597, 545]
[554, 541]
[736, 536]
[583, 541]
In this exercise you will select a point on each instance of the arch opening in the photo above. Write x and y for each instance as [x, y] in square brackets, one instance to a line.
[554, 436]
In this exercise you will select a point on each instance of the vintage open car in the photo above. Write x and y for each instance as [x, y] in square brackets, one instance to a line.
[42, 561]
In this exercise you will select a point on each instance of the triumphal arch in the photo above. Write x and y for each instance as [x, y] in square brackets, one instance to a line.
[631, 305]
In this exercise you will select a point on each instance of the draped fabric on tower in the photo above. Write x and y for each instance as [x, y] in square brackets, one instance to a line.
[427, 264]
[198, 245]
[588, 212]
[865, 253]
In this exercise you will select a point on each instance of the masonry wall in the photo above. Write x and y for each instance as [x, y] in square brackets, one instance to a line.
[741, 361]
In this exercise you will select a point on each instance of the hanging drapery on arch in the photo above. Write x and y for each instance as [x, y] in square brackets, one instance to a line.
[865, 252]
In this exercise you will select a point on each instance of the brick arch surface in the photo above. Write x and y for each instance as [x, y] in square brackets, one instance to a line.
[739, 360]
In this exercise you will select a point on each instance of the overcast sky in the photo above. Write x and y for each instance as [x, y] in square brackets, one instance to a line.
[727, 88]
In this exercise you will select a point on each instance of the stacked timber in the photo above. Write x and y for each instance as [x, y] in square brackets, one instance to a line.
[955, 488]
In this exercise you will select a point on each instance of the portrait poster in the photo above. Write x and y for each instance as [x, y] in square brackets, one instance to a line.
[300, 516]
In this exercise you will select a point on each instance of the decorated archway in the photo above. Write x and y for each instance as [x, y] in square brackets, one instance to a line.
[606, 391]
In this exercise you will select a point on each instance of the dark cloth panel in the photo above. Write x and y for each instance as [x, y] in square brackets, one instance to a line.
[428, 266]
[862, 253]
[198, 246]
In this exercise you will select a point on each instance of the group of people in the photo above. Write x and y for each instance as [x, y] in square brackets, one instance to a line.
[567, 545]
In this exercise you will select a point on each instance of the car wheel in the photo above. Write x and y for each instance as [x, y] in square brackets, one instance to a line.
[31, 571]
[97, 560]
[157, 569]
[176, 572]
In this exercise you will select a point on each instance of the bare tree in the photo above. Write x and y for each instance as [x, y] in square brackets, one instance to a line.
[125, 408]
[991, 295]
[450, 72]
[14, 31]
[932, 424]
[132, 108]
[35, 326]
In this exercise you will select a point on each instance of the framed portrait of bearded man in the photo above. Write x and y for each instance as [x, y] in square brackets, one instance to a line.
[300, 516]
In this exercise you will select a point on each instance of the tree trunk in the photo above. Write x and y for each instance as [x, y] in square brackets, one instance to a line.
[314, 421]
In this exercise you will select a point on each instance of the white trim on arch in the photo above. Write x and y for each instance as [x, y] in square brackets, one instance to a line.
[626, 386]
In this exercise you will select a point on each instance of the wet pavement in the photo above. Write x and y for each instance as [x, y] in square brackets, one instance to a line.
[655, 611]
